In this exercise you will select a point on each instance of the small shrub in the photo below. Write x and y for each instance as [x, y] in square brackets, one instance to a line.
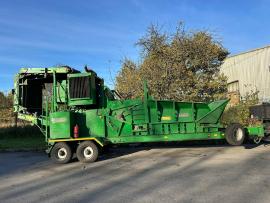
[240, 113]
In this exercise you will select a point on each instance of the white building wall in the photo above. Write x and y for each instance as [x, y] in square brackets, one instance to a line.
[252, 70]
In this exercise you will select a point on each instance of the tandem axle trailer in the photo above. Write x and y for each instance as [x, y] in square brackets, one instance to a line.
[78, 114]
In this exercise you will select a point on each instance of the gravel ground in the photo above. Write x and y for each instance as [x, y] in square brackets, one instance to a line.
[141, 174]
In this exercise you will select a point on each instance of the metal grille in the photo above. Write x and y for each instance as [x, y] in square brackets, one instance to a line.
[79, 87]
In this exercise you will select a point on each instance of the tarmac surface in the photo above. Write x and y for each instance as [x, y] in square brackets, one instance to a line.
[141, 174]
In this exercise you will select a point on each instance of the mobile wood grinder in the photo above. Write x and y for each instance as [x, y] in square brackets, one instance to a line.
[78, 114]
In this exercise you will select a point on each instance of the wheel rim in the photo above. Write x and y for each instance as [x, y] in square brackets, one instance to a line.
[239, 134]
[88, 152]
[62, 153]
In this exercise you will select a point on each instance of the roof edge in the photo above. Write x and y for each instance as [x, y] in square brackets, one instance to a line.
[252, 50]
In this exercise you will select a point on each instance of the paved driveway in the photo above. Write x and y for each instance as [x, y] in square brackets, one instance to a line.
[136, 174]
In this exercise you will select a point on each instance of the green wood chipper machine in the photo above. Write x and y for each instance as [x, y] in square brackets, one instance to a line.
[78, 114]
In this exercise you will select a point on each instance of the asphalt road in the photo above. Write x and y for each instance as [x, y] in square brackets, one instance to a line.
[149, 174]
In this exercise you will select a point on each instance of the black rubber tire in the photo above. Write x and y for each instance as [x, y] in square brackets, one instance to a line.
[231, 134]
[56, 153]
[82, 150]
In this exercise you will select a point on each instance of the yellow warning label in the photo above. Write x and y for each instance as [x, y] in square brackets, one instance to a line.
[166, 118]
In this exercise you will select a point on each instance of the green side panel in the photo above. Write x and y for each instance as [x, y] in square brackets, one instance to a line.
[168, 138]
[61, 125]
[166, 110]
[91, 123]
[216, 110]
[124, 117]
[255, 131]
[185, 112]
[200, 110]
[154, 113]
[128, 118]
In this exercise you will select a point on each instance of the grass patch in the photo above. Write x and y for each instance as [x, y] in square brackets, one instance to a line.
[21, 138]
[26, 143]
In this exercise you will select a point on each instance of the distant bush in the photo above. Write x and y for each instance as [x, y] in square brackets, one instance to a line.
[240, 113]
[6, 111]
[6, 101]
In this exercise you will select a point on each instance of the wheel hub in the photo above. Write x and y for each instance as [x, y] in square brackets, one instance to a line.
[62, 153]
[239, 134]
[88, 152]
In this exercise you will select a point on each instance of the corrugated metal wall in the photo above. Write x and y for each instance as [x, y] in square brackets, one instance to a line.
[252, 70]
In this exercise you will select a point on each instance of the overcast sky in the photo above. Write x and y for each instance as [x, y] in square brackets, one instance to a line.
[43, 33]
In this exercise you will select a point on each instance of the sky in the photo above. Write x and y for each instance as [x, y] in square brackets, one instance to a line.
[45, 33]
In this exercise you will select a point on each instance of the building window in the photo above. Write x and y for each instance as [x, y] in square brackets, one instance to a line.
[233, 86]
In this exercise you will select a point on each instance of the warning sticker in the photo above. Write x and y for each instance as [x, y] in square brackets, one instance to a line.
[59, 120]
[184, 115]
[166, 118]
